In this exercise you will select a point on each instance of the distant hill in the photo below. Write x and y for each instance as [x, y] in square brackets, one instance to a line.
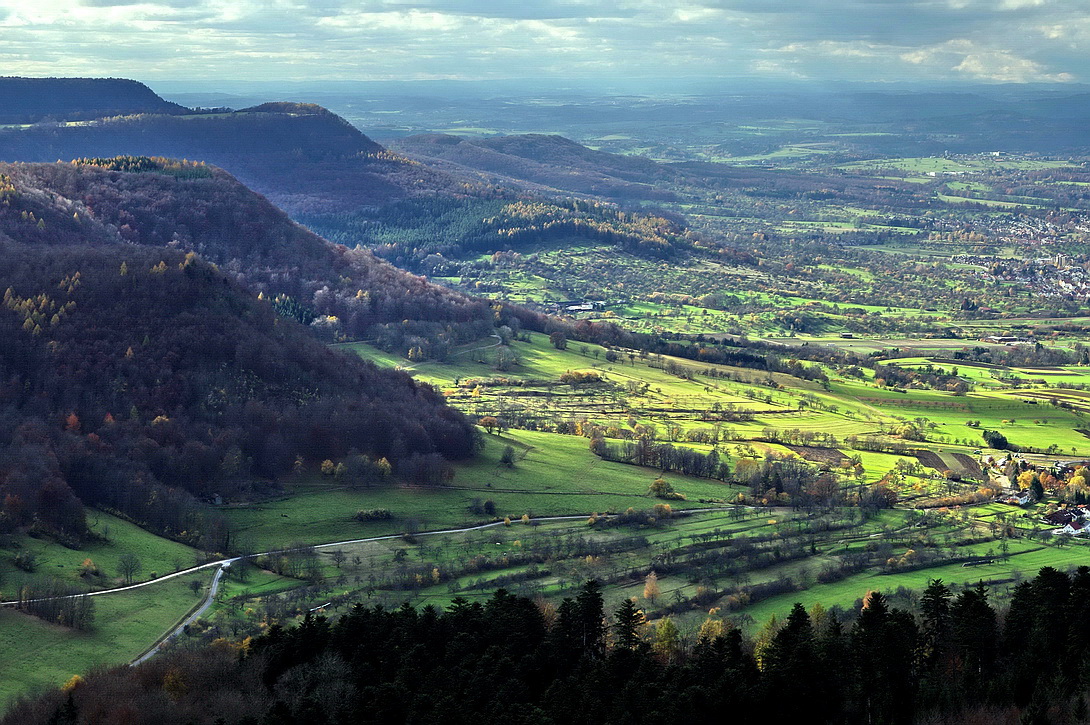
[301, 156]
[543, 161]
[29, 100]
[555, 164]
[137, 377]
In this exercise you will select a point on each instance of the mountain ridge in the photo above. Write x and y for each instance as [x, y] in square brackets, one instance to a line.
[29, 100]
[302, 157]
[191, 207]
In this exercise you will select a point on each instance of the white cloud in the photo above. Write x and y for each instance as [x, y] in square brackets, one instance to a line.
[964, 58]
[997, 40]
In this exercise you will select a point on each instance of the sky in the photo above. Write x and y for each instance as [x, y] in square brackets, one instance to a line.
[1001, 41]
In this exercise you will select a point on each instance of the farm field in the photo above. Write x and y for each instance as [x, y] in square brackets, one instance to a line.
[38, 654]
[962, 165]
[867, 344]
[552, 471]
[641, 391]
[746, 564]
[553, 475]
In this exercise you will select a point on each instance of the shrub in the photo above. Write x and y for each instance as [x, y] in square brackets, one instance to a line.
[364, 515]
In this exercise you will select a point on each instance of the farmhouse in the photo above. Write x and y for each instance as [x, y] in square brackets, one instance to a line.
[1066, 516]
[1075, 528]
[1064, 467]
[575, 306]
[1019, 498]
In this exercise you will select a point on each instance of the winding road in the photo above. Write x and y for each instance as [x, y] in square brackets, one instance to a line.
[193, 617]
[221, 566]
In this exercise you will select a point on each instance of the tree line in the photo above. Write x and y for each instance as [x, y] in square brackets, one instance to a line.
[952, 656]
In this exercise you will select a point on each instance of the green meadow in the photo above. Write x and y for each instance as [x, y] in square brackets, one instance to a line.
[38, 655]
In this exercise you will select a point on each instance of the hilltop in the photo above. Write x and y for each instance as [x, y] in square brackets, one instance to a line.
[29, 100]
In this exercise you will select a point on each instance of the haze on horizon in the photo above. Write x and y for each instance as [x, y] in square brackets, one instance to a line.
[989, 41]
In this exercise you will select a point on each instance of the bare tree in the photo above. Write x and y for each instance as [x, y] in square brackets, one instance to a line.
[128, 565]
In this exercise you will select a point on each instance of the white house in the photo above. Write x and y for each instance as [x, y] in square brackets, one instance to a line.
[1019, 498]
[1075, 528]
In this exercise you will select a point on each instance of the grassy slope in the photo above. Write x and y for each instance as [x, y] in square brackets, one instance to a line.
[554, 476]
[157, 556]
[37, 654]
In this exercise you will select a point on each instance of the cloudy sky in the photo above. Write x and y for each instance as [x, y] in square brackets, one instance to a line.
[884, 40]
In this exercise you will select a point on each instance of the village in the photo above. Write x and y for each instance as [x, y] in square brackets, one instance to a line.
[1061, 487]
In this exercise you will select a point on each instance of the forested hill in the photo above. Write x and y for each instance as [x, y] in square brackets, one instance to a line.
[301, 156]
[135, 379]
[193, 207]
[135, 375]
[546, 161]
[551, 164]
[28, 100]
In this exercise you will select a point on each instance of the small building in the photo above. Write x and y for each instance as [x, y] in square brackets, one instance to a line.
[1061, 468]
[1065, 517]
[1075, 528]
[1019, 498]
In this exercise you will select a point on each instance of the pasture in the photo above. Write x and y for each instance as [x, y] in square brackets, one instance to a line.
[37, 654]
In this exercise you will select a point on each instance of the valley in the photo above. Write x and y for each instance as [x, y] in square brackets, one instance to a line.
[718, 378]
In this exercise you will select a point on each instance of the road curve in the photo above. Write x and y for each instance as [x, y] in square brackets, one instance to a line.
[438, 532]
[223, 564]
[193, 617]
[229, 560]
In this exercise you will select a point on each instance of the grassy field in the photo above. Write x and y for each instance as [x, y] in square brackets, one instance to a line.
[117, 537]
[640, 390]
[956, 165]
[554, 475]
[557, 471]
[748, 563]
[722, 560]
[37, 654]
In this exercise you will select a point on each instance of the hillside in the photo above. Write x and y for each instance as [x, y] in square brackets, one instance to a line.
[544, 161]
[325, 173]
[192, 207]
[301, 156]
[142, 376]
[28, 100]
